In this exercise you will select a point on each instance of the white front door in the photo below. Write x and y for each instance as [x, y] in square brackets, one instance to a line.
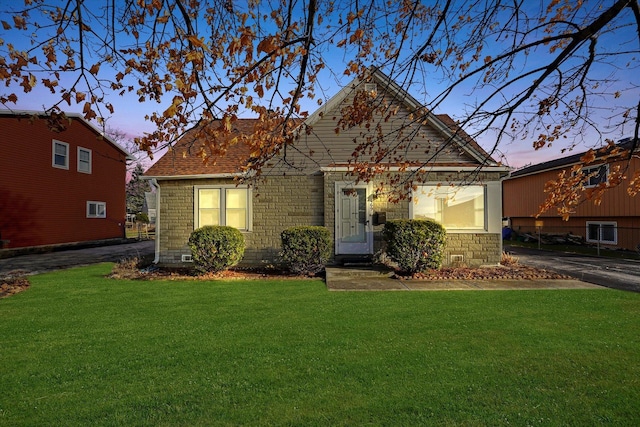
[353, 220]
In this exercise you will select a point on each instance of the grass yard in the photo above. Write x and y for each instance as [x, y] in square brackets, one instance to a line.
[78, 349]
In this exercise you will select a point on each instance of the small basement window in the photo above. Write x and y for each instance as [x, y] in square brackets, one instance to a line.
[602, 232]
[96, 209]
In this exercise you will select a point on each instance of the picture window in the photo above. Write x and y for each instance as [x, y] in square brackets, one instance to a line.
[455, 207]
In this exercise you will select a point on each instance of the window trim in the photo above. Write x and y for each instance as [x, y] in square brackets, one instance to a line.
[598, 240]
[90, 160]
[223, 195]
[54, 142]
[587, 170]
[97, 204]
[483, 229]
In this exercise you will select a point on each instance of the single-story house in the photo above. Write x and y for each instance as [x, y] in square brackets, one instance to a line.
[614, 223]
[461, 186]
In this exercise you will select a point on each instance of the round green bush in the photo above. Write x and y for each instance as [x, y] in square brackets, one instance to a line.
[306, 249]
[216, 247]
[415, 245]
[142, 217]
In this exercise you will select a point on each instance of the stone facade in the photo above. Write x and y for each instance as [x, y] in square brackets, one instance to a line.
[280, 202]
[473, 249]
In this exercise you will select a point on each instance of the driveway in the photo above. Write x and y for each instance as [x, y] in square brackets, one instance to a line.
[614, 273]
[43, 262]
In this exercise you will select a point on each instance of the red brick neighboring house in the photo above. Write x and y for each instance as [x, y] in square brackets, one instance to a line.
[58, 187]
[615, 223]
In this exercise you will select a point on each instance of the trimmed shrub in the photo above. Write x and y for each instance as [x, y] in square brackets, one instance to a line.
[216, 247]
[142, 217]
[415, 245]
[306, 249]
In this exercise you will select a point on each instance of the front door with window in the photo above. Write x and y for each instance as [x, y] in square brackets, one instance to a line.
[353, 225]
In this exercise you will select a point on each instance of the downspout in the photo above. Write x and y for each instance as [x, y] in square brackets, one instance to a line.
[155, 185]
[502, 179]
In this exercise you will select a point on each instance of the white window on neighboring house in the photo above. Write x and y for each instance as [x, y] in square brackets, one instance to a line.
[455, 207]
[223, 205]
[602, 232]
[596, 175]
[84, 160]
[60, 155]
[96, 209]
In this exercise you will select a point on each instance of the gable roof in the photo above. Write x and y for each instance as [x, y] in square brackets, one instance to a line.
[184, 160]
[27, 114]
[626, 143]
[441, 122]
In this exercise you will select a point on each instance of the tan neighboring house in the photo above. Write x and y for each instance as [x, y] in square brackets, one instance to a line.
[615, 223]
[462, 189]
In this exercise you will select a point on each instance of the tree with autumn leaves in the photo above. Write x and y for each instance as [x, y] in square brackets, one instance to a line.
[531, 72]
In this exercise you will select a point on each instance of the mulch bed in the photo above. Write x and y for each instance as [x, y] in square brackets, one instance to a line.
[13, 283]
[511, 272]
[17, 281]
[155, 273]
[518, 272]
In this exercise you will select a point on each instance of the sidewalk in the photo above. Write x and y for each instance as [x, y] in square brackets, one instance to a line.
[50, 261]
[363, 279]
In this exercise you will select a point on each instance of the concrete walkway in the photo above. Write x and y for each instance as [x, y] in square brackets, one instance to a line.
[366, 279]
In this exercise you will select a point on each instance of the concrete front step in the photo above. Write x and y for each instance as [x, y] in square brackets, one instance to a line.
[345, 272]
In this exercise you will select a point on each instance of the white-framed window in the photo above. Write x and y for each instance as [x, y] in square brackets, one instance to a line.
[223, 205]
[84, 160]
[60, 155]
[455, 207]
[602, 232]
[96, 209]
[596, 175]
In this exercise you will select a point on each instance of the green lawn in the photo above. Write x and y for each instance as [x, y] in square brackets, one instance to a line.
[80, 349]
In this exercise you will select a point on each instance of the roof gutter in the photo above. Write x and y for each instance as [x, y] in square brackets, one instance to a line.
[197, 176]
[430, 168]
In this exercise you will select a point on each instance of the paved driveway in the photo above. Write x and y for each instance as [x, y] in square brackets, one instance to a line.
[39, 263]
[603, 271]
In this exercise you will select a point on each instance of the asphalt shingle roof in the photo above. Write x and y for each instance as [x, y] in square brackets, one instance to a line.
[184, 159]
[626, 143]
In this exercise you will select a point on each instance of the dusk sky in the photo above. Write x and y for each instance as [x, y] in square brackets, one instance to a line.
[129, 113]
[129, 118]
